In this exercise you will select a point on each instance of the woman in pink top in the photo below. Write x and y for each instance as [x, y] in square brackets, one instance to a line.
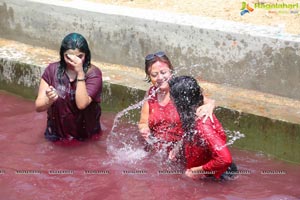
[70, 91]
[159, 117]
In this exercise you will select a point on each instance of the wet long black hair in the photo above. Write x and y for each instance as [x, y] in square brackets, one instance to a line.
[187, 97]
[73, 41]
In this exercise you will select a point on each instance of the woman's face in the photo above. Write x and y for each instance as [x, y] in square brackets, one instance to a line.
[74, 52]
[160, 73]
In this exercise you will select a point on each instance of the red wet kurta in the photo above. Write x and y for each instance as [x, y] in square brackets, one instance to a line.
[164, 121]
[65, 120]
[208, 148]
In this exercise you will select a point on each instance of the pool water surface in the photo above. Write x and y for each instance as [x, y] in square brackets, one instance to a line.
[115, 166]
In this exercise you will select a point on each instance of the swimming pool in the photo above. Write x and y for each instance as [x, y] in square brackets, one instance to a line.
[116, 166]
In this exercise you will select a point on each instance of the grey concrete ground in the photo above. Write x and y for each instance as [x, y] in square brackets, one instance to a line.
[257, 58]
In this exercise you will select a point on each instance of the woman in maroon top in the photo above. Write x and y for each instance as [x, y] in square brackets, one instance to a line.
[159, 117]
[203, 144]
[70, 91]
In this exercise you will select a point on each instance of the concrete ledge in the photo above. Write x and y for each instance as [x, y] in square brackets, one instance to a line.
[257, 58]
[33, 60]
[270, 123]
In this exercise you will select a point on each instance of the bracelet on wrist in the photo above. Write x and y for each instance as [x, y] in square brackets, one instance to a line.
[81, 79]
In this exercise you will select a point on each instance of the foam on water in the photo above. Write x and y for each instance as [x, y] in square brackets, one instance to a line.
[127, 154]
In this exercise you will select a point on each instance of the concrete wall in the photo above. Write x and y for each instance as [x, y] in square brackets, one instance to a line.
[251, 57]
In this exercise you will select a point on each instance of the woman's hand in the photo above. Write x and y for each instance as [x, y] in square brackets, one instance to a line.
[145, 131]
[189, 173]
[172, 155]
[176, 150]
[76, 62]
[206, 110]
[192, 172]
[51, 94]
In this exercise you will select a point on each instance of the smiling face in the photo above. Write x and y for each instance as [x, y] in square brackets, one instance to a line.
[159, 74]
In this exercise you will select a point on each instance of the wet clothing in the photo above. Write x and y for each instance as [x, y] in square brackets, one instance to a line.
[65, 120]
[208, 148]
[164, 121]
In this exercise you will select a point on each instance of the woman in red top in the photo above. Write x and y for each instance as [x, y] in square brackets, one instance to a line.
[203, 144]
[70, 91]
[159, 117]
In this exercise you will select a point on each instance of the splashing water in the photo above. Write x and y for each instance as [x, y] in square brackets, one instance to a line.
[125, 148]
[125, 111]
[127, 154]
[232, 136]
[132, 107]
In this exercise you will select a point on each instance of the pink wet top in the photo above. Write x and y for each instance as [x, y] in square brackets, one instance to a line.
[164, 121]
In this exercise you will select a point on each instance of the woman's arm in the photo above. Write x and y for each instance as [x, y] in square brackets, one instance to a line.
[81, 95]
[221, 156]
[82, 98]
[143, 123]
[46, 96]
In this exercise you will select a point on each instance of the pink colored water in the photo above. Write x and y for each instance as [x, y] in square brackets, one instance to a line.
[33, 168]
